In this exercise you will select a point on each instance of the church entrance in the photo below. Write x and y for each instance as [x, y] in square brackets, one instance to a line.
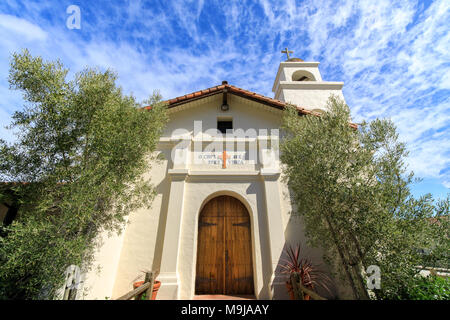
[224, 251]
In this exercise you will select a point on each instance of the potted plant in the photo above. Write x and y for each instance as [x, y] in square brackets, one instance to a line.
[137, 284]
[310, 275]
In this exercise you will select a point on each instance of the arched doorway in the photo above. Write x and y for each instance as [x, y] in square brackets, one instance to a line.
[224, 250]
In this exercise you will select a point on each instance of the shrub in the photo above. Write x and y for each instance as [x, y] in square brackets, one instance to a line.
[423, 288]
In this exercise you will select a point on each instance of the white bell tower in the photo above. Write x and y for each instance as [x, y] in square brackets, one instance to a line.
[300, 83]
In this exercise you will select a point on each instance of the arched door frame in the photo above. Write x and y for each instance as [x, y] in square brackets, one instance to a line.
[253, 227]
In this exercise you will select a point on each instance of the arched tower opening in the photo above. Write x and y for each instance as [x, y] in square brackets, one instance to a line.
[302, 75]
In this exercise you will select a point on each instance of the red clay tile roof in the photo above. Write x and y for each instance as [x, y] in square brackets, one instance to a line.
[281, 105]
[230, 89]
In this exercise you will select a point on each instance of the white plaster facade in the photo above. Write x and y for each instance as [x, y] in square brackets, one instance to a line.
[165, 237]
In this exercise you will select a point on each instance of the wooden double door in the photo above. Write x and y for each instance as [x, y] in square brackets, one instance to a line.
[224, 251]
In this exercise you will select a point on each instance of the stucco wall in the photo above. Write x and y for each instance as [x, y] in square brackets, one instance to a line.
[310, 99]
[99, 281]
[142, 242]
[140, 246]
[246, 115]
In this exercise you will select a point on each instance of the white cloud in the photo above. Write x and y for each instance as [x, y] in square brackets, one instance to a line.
[20, 28]
[446, 183]
[391, 56]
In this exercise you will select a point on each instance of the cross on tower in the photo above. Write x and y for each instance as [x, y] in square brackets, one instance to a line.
[287, 52]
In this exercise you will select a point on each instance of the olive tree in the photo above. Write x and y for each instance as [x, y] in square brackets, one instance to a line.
[352, 188]
[75, 170]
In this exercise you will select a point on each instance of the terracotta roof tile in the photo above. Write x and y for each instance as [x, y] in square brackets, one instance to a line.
[241, 92]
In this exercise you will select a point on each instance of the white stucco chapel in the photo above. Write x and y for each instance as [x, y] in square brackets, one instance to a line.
[222, 214]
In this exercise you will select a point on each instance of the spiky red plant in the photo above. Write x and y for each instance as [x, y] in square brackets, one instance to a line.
[310, 275]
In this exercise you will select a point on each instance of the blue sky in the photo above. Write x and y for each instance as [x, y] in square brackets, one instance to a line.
[393, 56]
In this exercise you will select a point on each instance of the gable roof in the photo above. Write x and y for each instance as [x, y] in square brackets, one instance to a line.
[228, 88]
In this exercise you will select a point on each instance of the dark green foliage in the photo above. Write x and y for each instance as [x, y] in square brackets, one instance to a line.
[423, 288]
[81, 151]
[351, 186]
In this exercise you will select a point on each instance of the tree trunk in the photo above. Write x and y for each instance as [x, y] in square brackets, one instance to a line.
[360, 280]
[344, 261]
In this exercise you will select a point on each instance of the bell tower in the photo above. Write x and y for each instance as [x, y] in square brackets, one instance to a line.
[300, 83]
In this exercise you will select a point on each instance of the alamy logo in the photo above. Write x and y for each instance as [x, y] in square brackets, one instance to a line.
[73, 277]
[374, 277]
[74, 20]
[235, 147]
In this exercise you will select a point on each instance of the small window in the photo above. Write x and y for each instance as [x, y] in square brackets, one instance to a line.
[223, 125]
